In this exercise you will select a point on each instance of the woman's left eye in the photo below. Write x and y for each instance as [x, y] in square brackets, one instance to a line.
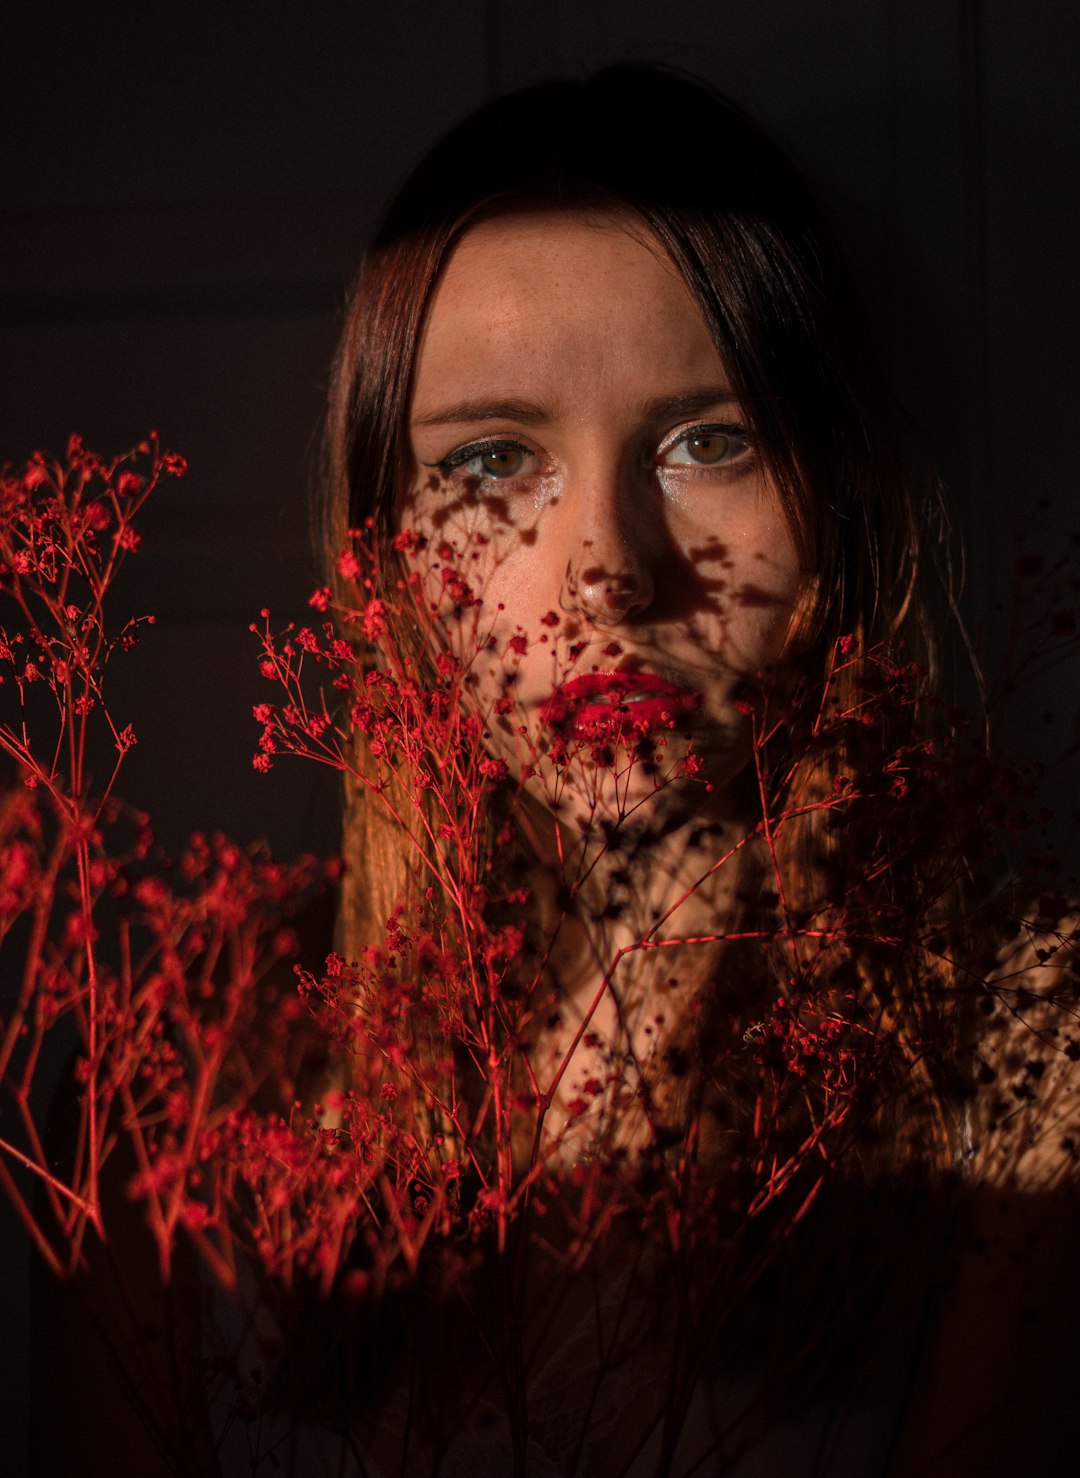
[707, 446]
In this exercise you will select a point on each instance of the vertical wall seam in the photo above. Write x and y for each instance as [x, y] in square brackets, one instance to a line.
[893, 311]
[491, 50]
[972, 94]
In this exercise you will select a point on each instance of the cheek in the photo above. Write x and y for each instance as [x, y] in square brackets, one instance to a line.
[752, 592]
[489, 541]
[781, 591]
[513, 585]
[485, 608]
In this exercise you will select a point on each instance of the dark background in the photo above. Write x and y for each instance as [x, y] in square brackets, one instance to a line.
[185, 195]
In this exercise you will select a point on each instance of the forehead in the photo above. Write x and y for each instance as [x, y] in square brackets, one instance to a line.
[564, 297]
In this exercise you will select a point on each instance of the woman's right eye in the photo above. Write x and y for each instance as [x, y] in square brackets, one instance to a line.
[489, 460]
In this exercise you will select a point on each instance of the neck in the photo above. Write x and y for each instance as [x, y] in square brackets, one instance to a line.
[643, 908]
[655, 876]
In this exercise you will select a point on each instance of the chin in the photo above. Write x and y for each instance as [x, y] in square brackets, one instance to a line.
[645, 787]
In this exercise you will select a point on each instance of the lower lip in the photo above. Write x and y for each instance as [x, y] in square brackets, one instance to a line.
[653, 711]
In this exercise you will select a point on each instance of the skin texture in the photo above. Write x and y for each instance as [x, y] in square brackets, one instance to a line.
[661, 552]
[624, 497]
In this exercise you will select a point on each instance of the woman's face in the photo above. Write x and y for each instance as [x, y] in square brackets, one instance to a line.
[576, 442]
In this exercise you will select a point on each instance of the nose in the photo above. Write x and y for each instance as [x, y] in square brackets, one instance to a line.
[609, 576]
[607, 595]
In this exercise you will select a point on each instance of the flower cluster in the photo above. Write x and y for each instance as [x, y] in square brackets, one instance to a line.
[424, 1111]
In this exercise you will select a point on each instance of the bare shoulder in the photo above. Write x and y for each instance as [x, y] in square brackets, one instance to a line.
[1024, 1123]
[998, 1363]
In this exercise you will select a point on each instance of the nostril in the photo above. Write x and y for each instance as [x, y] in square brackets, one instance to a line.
[604, 595]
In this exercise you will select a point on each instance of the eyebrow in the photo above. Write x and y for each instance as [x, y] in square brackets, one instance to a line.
[662, 407]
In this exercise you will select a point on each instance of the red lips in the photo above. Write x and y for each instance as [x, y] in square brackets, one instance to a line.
[621, 699]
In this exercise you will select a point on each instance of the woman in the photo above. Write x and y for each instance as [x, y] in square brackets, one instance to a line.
[606, 381]
[749, 513]
[655, 949]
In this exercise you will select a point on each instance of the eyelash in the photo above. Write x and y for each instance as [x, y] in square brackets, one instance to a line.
[453, 461]
[733, 429]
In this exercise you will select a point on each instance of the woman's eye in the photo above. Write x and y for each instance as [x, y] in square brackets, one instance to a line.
[492, 460]
[708, 446]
